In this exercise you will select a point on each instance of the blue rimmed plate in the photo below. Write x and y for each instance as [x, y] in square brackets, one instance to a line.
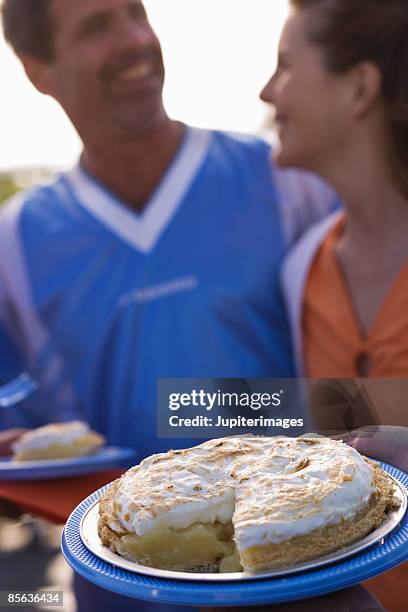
[107, 458]
[383, 554]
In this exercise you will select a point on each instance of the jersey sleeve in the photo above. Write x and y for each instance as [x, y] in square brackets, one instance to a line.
[25, 344]
[304, 199]
[27, 413]
[11, 366]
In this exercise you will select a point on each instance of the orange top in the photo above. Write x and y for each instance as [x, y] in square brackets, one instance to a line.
[333, 344]
[334, 348]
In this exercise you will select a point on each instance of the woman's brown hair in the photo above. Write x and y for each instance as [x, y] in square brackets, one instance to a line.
[353, 31]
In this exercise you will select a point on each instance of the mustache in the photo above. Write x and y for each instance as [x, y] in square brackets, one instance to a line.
[126, 60]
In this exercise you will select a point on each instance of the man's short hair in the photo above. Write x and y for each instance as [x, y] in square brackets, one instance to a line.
[28, 27]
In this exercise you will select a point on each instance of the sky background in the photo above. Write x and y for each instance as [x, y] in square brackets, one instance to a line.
[218, 55]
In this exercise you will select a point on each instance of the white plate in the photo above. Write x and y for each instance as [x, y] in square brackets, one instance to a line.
[90, 538]
[108, 457]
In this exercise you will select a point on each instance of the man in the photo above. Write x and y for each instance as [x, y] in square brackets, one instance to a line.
[158, 255]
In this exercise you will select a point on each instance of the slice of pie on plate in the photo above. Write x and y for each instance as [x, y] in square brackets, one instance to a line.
[57, 441]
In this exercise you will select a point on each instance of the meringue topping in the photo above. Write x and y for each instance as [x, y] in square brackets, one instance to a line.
[271, 488]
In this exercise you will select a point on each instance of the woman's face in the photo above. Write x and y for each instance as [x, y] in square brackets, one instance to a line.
[312, 104]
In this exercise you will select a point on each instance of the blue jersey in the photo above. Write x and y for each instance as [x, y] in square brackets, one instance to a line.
[97, 301]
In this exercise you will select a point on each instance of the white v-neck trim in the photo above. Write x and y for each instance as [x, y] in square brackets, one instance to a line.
[143, 231]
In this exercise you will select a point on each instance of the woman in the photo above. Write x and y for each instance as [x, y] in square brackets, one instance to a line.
[341, 97]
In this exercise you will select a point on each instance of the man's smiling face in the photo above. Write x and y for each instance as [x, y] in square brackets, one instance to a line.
[107, 68]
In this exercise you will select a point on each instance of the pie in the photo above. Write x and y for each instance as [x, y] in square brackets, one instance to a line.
[57, 441]
[244, 502]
